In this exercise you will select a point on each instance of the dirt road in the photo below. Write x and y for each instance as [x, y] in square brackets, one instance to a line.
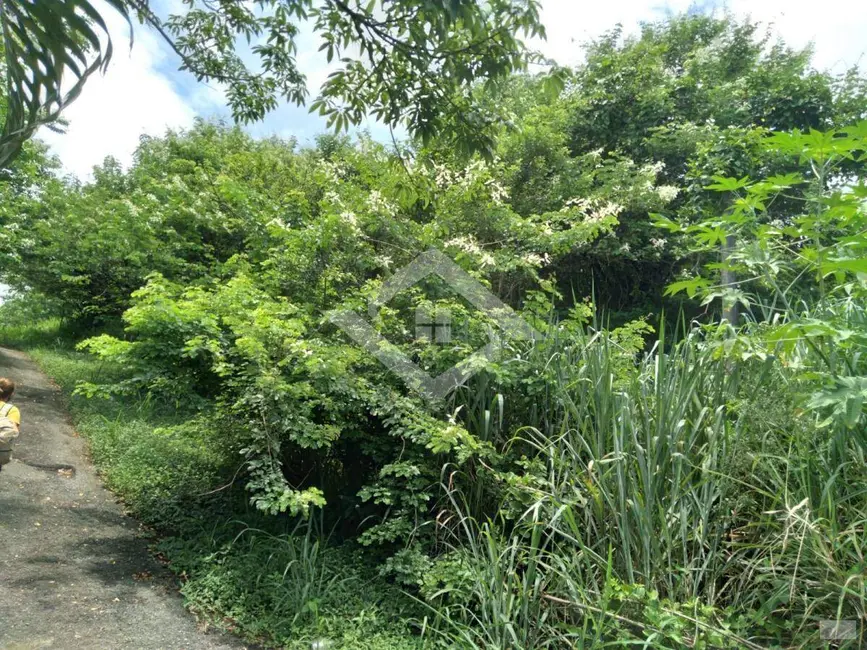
[75, 572]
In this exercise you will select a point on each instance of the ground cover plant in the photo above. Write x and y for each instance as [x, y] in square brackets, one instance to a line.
[677, 460]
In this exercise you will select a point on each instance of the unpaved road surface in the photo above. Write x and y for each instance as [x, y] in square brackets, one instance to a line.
[75, 572]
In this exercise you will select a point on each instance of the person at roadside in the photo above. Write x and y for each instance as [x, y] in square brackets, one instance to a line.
[10, 420]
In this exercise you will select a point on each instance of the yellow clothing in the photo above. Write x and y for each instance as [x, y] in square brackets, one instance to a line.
[14, 414]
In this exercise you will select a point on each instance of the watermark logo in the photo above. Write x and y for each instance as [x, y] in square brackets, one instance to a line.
[434, 325]
[844, 630]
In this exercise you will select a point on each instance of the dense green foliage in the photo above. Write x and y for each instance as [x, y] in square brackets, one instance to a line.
[405, 62]
[626, 477]
[693, 99]
[256, 575]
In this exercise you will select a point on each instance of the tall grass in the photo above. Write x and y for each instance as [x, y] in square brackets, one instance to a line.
[664, 508]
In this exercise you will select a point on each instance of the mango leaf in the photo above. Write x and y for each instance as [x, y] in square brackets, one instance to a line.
[47, 43]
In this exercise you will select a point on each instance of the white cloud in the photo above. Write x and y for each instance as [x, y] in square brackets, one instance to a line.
[141, 93]
[570, 23]
[114, 110]
[836, 28]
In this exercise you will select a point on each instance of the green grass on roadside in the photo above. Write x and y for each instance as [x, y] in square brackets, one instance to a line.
[266, 578]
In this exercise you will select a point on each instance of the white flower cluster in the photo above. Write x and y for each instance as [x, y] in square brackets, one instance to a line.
[534, 259]
[333, 171]
[594, 209]
[384, 261]
[658, 243]
[499, 194]
[380, 205]
[350, 218]
[278, 223]
[487, 259]
[443, 176]
[332, 197]
[654, 168]
[667, 193]
[468, 244]
[472, 171]
[131, 207]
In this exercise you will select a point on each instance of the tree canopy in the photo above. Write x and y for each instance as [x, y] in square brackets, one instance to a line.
[409, 62]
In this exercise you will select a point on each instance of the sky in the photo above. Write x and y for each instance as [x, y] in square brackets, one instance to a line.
[143, 92]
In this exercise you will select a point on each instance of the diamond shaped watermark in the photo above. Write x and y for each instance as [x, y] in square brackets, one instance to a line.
[843, 630]
[436, 326]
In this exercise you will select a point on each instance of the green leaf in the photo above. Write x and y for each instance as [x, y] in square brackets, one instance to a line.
[692, 287]
[46, 43]
[661, 221]
[833, 266]
[725, 184]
